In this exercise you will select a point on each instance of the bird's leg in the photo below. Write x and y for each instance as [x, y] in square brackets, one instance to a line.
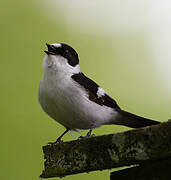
[59, 138]
[88, 134]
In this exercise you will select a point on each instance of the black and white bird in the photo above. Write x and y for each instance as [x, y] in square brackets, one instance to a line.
[74, 100]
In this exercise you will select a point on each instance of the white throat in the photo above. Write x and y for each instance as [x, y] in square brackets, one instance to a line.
[56, 64]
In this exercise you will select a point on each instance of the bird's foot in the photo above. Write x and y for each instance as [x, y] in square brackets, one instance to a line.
[58, 141]
[85, 137]
[89, 135]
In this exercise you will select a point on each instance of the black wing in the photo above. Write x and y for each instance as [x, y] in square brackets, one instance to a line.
[92, 89]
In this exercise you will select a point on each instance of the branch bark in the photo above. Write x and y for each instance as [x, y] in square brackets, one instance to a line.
[132, 147]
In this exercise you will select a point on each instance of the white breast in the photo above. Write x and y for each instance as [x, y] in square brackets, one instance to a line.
[65, 101]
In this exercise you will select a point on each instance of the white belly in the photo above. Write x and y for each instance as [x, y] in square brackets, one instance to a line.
[69, 105]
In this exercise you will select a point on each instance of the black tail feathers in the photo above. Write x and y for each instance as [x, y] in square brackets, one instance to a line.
[131, 120]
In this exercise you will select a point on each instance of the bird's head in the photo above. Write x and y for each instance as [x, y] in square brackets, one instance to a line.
[61, 58]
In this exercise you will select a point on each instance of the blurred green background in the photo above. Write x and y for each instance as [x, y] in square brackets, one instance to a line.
[121, 62]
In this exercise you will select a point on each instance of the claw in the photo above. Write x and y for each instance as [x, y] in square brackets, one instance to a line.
[89, 135]
[58, 141]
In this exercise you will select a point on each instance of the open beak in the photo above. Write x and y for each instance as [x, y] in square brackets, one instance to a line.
[51, 49]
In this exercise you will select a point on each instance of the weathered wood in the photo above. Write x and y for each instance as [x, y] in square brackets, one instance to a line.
[157, 170]
[108, 151]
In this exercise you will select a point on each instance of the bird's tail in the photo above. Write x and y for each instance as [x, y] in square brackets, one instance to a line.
[131, 120]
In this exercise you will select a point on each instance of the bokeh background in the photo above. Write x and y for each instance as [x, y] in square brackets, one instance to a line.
[123, 45]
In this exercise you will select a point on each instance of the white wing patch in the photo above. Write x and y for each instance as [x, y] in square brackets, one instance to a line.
[100, 92]
[57, 45]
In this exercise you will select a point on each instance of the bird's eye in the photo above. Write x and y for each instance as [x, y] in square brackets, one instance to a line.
[66, 51]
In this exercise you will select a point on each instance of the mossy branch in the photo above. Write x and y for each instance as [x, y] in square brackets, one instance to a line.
[108, 151]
